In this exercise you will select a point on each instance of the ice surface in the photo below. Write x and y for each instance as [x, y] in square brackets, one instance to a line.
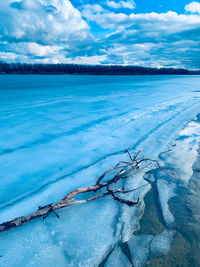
[58, 133]
[140, 249]
[129, 219]
[166, 191]
[180, 158]
[31, 245]
[74, 240]
[184, 152]
[117, 259]
[85, 233]
[161, 243]
[146, 247]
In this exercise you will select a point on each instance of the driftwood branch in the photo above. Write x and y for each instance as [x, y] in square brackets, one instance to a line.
[120, 171]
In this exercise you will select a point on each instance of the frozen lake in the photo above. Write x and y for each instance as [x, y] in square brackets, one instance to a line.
[58, 133]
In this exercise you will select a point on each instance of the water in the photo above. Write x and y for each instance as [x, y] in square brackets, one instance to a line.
[58, 133]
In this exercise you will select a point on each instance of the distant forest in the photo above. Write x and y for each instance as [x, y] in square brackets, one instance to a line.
[21, 68]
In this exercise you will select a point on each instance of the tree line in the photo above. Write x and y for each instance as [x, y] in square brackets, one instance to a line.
[24, 68]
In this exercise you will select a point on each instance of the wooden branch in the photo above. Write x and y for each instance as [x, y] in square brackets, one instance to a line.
[124, 169]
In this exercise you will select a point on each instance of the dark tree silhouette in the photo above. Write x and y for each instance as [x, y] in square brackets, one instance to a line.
[23, 68]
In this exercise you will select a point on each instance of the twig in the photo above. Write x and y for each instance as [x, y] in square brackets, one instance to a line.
[124, 169]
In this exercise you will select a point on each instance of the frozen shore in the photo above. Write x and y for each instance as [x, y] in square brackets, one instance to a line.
[169, 231]
[58, 134]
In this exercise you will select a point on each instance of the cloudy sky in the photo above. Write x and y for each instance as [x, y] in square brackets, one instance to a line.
[153, 33]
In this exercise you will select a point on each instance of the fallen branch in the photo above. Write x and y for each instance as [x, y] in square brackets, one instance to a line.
[121, 171]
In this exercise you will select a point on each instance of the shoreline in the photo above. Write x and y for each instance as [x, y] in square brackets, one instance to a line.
[184, 249]
[184, 231]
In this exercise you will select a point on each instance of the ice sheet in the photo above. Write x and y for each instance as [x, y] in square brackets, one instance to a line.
[146, 247]
[117, 259]
[58, 133]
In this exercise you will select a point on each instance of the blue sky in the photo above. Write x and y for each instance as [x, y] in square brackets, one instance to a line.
[153, 33]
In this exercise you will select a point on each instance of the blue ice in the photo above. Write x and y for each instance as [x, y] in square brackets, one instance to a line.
[58, 133]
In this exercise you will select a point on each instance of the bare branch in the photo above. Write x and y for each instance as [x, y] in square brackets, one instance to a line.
[124, 169]
[127, 151]
[136, 154]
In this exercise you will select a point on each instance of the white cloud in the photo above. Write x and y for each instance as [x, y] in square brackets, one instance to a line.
[34, 49]
[128, 4]
[150, 39]
[193, 7]
[13, 57]
[8, 56]
[42, 21]
[113, 4]
[169, 22]
[54, 31]
[41, 51]
[41, 30]
[92, 60]
[121, 4]
[103, 17]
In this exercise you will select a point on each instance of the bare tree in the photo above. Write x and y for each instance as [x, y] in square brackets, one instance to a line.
[121, 171]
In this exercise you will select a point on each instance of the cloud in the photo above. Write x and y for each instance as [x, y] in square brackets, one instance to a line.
[41, 21]
[103, 17]
[121, 4]
[33, 49]
[8, 57]
[41, 30]
[193, 7]
[93, 60]
[55, 31]
[150, 39]
[163, 22]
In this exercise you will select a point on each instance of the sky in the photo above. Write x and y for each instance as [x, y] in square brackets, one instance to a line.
[151, 33]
